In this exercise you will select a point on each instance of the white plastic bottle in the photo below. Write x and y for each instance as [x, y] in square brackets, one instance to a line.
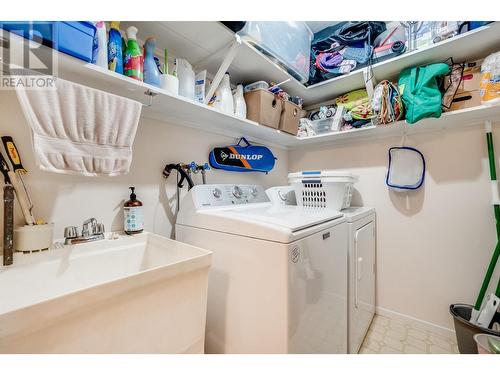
[240, 106]
[100, 50]
[224, 97]
[186, 76]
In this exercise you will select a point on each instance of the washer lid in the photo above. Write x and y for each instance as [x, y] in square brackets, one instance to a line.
[293, 218]
[263, 221]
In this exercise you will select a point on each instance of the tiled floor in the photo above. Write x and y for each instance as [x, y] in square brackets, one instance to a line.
[387, 336]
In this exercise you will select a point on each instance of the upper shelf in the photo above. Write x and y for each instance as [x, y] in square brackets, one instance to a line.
[204, 45]
[178, 110]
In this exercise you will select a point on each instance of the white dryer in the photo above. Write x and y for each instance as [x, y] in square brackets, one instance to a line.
[278, 282]
[361, 227]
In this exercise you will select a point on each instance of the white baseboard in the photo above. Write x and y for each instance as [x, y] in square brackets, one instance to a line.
[414, 322]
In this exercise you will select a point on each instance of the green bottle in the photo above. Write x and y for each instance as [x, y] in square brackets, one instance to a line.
[133, 64]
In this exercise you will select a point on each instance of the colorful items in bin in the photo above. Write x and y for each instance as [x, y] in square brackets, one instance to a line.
[115, 48]
[133, 59]
[151, 72]
[238, 158]
[490, 79]
[100, 48]
[323, 112]
[386, 103]
[419, 89]
[406, 169]
[341, 48]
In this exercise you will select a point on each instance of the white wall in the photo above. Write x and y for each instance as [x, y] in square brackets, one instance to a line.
[434, 244]
[68, 200]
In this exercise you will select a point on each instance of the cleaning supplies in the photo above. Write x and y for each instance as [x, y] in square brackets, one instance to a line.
[223, 98]
[186, 77]
[240, 107]
[200, 84]
[490, 79]
[133, 60]
[115, 52]
[151, 72]
[133, 215]
[100, 49]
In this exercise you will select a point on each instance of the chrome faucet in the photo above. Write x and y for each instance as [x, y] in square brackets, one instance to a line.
[91, 231]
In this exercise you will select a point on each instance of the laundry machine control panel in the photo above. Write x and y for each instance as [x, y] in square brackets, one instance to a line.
[227, 195]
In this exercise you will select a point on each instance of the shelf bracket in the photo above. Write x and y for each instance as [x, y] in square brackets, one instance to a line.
[150, 94]
[228, 59]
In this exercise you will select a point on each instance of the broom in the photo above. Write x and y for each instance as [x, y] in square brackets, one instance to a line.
[496, 207]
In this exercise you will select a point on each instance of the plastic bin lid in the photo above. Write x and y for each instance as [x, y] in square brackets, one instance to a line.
[329, 173]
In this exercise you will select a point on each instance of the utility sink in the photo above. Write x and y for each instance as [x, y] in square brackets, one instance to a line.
[135, 294]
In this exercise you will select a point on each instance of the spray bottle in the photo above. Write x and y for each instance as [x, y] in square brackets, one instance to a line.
[133, 61]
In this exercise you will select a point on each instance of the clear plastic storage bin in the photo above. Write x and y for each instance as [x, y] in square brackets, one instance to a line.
[288, 42]
[323, 189]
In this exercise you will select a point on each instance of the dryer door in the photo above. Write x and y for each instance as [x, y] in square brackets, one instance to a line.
[364, 283]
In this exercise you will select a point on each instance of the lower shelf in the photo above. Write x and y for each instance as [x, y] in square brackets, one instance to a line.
[449, 120]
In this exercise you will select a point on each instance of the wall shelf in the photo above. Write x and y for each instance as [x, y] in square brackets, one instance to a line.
[181, 111]
[462, 118]
[204, 45]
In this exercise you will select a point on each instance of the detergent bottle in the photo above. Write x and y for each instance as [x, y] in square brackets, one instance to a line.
[115, 53]
[133, 61]
[151, 72]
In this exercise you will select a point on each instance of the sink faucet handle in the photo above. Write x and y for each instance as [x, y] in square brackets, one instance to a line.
[99, 229]
[86, 231]
[70, 232]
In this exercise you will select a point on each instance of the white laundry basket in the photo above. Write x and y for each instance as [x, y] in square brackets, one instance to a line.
[323, 189]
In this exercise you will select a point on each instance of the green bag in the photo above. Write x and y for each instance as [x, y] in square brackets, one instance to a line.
[420, 92]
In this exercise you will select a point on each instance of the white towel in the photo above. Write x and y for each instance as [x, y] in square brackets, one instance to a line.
[79, 130]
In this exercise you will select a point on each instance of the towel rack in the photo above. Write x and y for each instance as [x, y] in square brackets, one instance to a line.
[150, 94]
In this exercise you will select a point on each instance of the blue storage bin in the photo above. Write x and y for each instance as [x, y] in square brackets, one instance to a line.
[75, 38]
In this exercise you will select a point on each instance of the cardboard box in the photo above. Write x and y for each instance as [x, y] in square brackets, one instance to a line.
[290, 117]
[263, 107]
[464, 100]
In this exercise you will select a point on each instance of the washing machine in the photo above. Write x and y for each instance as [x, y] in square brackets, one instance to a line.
[361, 259]
[278, 281]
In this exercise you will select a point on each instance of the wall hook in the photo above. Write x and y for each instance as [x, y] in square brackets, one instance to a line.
[150, 94]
